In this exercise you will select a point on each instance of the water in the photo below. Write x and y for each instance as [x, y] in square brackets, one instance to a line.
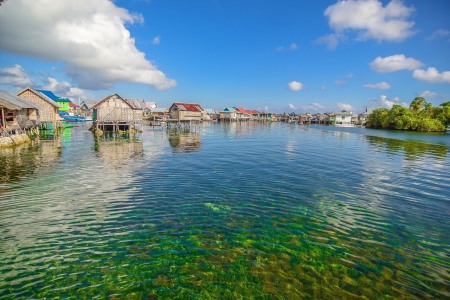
[226, 212]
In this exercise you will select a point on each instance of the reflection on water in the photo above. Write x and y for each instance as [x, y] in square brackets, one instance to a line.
[184, 141]
[24, 160]
[412, 149]
[284, 212]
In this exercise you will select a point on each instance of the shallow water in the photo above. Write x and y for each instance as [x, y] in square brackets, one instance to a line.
[227, 211]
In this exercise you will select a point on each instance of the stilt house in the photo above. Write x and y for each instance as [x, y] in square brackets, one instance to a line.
[115, 113]
[187, 112]
[47, 108]
[16, 112]
[18, 118]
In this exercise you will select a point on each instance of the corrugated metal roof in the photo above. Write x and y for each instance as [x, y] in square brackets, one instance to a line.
[159, 110]
[188, 106]
[49, 94]
[15, 102]
[229, 109]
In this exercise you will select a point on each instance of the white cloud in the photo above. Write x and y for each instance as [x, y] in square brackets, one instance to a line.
[331, 40]
[395, 63]
[15, 76]
[295, 86]
[371, 20]
[156, 40]
[380, 85]
[64, 89]
[440, 33]
[311, 108]
[349, 75]
[89, 36]
[432, 75]
[429, 94]
[291, 47]
[344, 106]
[383, 101]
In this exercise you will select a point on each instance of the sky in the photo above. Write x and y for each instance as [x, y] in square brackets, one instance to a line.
[269, 55]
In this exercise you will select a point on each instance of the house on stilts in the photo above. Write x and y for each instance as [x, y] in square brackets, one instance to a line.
[115, 114]
[18, 119]
[47, 108]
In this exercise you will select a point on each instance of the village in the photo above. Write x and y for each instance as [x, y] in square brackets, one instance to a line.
[32, 112]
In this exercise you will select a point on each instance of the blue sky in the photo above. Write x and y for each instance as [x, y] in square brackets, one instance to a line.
[281, 56]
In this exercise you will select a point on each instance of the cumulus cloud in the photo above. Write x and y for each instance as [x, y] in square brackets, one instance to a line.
[295, 86]
[15, 76]
[380, 85]
[432, 75]
[64, 89]
[344, 106]
[384, 101]
[370, 20]
[394, 63]
[89, 36]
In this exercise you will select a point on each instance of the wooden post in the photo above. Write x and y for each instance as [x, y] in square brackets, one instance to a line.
[3, 118]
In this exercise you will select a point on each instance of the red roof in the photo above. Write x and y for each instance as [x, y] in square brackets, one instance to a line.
[246, 111]
[71, 104]
[188, 106]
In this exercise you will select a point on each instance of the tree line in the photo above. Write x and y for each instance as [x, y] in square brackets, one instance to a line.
[420, 116]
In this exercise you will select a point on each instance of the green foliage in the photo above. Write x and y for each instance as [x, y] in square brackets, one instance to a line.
[420, 116]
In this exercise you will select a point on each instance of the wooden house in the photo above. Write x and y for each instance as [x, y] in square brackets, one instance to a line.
[147, 111]
[159, 113]
[187, 112]
[243, 114]
[17, 118]
[73, 108]
[114, 114]
[15, 111]
[228, 114]
[47, 108]
[86, 108]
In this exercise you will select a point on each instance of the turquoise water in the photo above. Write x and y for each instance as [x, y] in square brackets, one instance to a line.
[235, 211]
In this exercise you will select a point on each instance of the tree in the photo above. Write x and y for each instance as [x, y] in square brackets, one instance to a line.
[442, 113]
[420, 116]
[418, 104]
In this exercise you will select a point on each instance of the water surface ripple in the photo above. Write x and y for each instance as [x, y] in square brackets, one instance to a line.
[226, 211]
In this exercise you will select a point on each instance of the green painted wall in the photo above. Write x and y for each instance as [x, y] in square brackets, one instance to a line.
[64, 105]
